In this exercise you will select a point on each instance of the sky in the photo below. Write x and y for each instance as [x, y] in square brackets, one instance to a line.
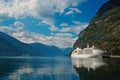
[51, 22]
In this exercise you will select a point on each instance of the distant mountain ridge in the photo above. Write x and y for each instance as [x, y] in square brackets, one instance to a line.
[12, 47]
[67, 51]
[46, 50]
[9, 46]
[103, 30]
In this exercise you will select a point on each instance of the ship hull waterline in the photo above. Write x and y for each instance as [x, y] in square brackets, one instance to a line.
[95, 54]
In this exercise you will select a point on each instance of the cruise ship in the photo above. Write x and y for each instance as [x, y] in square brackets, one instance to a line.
[89, 52]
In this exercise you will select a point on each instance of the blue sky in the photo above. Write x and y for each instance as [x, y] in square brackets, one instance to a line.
[51, 22]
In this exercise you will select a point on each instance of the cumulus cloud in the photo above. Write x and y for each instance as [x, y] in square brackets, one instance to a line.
[54, 28]
[18, 24]
[72, 11]
[75, 28]
[63, 35]
[61, 39]
[64, 25]
[42, 9]
[39, 8]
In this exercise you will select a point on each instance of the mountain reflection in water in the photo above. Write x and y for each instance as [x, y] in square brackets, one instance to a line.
[37, 68]
[58, 68]
[97, 68]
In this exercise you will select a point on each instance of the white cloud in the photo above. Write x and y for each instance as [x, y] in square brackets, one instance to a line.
[42, 9]
[61, 40]
[65, 29]
[6, 29]
[64, 25]
[63, 35]
[72, 11]
[48, 21]
[18, 24]
[78, 23]
[61, 5]
[76, 28]
[39, 8]
[54, 28]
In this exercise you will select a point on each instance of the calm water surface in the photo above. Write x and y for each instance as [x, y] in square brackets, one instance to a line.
[58, 68]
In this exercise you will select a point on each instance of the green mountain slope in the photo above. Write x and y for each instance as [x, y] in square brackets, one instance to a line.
[46, 50]
[10, 46]
[103, 30]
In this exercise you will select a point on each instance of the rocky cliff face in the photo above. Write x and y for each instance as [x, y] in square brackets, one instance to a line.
[103, 30]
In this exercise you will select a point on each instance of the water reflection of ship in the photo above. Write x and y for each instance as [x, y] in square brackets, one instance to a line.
[89, 68]
[88, 63]
[105, 69]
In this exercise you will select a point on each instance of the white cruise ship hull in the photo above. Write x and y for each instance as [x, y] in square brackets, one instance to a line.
[95, 54]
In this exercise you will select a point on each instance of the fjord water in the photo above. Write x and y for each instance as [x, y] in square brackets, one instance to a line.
[58, 68]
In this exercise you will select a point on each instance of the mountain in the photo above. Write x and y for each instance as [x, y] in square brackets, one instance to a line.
[103, 30]
[66, 51]
[10, 46]
[47, 50]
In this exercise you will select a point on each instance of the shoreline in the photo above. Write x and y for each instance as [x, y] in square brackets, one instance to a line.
[111, 56]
